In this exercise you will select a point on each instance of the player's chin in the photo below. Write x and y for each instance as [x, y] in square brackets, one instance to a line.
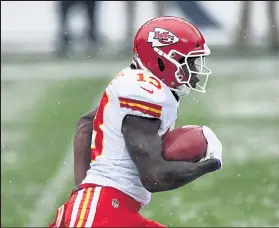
[193, 85]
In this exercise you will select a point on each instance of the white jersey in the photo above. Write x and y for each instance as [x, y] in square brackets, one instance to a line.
[135, 92]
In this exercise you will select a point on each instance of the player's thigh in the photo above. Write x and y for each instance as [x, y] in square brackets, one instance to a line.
[82, 207]
[115, 209]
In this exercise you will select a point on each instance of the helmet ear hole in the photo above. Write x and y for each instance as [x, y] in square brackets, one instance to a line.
[161, 65]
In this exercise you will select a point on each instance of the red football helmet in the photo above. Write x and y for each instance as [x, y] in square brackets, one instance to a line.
[169, 48]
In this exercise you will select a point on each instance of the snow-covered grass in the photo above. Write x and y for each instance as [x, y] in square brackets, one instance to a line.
[38, 120]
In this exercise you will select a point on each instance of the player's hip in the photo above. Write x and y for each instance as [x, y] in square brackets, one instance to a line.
[94, 205]
[97, 206]
[130, 185]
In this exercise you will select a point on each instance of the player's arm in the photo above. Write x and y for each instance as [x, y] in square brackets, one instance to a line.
[82, 142]
[145, 148]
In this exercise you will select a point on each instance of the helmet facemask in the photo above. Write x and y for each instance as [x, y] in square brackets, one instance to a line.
[191, 77]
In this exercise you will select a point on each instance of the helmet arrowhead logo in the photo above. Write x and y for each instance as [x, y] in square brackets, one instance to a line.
[161, 37]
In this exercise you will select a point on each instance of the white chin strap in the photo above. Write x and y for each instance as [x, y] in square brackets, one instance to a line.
[182, 91]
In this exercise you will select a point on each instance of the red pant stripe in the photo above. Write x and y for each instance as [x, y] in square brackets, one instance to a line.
[59, 216]
[78, 200]
[82, 207]
[86, 208]
[93, 207]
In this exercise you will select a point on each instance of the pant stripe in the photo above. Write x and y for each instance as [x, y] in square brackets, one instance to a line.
[76, 207]
[84, 207]
[80, 206]
[59, 216]
[93, 207]
[87, 210]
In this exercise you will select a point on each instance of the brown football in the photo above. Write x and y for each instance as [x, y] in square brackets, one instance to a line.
[186, 143]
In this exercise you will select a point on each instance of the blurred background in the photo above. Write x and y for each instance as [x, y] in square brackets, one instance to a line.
[56, 60]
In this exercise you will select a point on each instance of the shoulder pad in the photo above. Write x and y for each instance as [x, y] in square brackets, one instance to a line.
[139, 91]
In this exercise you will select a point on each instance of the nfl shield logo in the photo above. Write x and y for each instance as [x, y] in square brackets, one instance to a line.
[115, 203]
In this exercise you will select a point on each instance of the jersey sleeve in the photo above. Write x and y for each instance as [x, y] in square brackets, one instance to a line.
[139, 98]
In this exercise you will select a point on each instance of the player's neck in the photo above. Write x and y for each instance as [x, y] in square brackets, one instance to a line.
[177, 98]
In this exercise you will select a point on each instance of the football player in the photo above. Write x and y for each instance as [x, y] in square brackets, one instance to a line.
[137, 108]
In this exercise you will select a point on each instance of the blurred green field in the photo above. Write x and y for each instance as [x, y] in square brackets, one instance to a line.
[38, 118]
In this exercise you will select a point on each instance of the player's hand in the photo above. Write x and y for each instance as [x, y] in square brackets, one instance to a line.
[214, 146]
